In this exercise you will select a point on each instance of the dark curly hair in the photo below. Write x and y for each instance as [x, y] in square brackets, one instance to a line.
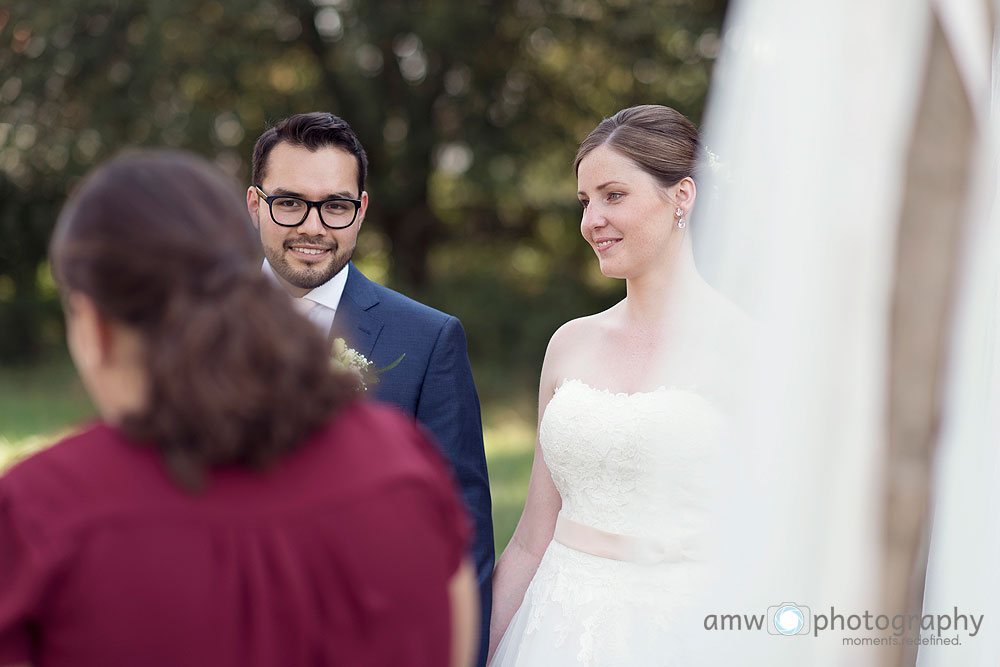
[161, 242]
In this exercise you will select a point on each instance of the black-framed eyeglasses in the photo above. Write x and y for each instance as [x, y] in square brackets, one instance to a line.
[289, 211]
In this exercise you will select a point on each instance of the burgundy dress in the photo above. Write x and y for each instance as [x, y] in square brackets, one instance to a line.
[339, 554]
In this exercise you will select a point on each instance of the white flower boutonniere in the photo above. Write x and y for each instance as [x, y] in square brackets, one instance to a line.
[349, 360]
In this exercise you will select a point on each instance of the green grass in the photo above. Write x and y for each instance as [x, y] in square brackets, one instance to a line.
[41, 404]
[510, 443]
[38, 405]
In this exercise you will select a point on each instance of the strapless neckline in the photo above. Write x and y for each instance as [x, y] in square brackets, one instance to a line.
[662, 389]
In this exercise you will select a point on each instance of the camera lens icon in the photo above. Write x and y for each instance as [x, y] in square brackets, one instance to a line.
[788, 619]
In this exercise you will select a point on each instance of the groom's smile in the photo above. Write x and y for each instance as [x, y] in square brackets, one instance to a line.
[310, 252]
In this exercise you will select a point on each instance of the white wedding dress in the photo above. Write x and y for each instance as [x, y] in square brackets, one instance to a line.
[633, 471]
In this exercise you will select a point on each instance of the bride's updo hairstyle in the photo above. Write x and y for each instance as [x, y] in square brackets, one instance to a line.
[660, 140]
[162, 242]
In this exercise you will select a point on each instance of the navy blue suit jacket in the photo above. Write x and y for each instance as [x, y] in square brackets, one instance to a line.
[434, 383]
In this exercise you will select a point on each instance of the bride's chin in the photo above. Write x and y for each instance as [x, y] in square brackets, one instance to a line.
[611, 272]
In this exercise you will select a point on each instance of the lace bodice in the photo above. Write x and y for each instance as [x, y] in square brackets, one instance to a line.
[636, 464]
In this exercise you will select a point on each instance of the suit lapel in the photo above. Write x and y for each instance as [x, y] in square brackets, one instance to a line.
[353, 321]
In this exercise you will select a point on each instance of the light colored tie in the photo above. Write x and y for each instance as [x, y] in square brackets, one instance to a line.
[304, 305]
[314, 312]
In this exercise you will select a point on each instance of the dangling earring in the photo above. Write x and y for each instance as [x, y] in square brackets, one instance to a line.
[681, 222]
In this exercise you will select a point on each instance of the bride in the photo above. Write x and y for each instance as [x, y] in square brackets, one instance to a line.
[610, 555]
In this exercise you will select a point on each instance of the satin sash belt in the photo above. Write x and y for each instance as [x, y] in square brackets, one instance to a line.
[629, 548]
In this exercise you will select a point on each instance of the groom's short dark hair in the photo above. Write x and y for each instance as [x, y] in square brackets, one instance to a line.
[314, 130]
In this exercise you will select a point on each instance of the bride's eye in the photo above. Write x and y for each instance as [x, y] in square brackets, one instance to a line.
[615, 196]
[584, 202]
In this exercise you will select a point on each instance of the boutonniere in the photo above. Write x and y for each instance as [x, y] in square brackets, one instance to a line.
[346, 359]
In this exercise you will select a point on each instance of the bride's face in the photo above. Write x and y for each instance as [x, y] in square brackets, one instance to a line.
[627, 217]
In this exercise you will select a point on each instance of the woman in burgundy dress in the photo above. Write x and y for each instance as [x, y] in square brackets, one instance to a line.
[236, 504]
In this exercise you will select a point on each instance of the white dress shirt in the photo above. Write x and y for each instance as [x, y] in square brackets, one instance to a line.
[324, 299]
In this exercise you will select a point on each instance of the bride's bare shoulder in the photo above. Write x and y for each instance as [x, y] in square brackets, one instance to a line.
[569, 345]
[581, 330]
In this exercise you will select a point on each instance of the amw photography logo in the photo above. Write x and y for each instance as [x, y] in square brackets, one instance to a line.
[786, 618]
[791, 619]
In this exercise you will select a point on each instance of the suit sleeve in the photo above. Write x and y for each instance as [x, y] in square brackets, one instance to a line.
[449, 407]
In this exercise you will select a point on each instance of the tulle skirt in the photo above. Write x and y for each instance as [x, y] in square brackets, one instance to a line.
[581, 609]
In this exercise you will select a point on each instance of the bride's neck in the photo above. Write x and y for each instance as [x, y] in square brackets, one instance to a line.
[653, 297]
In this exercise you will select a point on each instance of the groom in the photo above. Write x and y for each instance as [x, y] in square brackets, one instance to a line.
[308, 201]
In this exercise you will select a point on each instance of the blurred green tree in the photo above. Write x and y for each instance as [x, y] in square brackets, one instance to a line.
[471, 111]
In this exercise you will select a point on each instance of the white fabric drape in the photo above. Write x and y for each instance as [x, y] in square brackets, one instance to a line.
[810, 114]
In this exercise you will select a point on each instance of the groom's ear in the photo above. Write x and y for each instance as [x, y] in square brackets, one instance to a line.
[253, 206]
[363, 208]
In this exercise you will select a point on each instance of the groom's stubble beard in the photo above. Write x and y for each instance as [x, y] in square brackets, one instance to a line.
[312, 277]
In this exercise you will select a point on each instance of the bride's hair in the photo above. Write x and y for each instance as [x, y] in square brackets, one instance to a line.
[162, 242]
[659, 139]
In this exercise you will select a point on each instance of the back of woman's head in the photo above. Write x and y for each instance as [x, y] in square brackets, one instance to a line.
[660, 140]
[161, 242]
